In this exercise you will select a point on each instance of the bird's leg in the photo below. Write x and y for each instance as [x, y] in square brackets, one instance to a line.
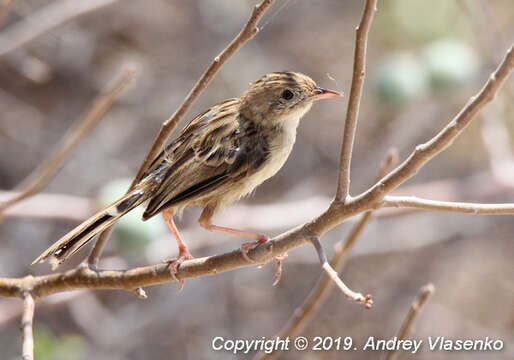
[205, 221]
[183, 251]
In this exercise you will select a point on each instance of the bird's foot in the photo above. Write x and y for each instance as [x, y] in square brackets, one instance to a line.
[174, 264]
[247, 246]
[278, 270]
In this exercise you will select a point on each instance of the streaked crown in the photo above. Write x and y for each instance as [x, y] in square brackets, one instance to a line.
[281, 94]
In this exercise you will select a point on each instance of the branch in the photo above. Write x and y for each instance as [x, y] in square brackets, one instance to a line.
[27, 320]
[334, 277]
[424, 293]
[44, 172]
[249, 31]
[350, 124]
[50, 17]
[427, 151]
[448, 206]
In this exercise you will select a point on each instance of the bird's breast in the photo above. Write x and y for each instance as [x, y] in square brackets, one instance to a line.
[281, 141]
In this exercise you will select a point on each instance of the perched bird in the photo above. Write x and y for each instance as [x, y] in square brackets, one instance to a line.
[223, 154]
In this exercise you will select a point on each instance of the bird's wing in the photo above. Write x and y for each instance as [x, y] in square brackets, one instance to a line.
[197, 125]
[214, 148]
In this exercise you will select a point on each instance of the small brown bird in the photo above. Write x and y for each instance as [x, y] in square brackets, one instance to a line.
[221, 155]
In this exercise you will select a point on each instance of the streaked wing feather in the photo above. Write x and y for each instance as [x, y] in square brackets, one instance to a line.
[215, 139]
[219, 113]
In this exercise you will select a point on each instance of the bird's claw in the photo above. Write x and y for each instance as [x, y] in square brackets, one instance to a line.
[175, 263]
[247, 246]
[278, 270]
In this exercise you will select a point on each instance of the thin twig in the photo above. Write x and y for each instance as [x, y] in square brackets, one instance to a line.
[44, 172]
[41, 22]
[448, 206]
[350, 125]
[424, 293]
[249, 31]
[334, 277]
[27, 320]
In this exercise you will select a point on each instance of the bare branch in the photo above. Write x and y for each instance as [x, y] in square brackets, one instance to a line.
[424, 293]
[247, 33]
[50, 17]
[350, 124]
[44, 172]
[427, 151]
[448, 206]
[334, 277]
[27, 320]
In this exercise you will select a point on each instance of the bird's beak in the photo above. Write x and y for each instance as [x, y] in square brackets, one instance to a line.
[320, 93]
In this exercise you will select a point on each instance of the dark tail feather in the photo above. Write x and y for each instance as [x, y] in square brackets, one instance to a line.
[82, 234]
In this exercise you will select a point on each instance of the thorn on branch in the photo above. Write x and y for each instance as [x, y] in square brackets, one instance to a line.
[140, 292]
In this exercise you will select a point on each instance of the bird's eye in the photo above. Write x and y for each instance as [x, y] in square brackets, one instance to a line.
[287, 95]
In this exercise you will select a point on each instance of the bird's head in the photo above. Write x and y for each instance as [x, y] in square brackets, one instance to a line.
[282, 95]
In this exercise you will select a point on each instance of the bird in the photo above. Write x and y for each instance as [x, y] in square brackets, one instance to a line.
[221, 155]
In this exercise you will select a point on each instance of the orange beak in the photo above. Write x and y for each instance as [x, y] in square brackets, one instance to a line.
[320, 93]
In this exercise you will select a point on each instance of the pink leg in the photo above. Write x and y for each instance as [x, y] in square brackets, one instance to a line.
[205, 221]
[245, 247]
[183, 251]
[278, 270]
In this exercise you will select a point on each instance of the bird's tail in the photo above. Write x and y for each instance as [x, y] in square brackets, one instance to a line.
[70, 243]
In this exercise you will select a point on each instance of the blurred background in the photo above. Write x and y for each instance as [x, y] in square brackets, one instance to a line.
[425, 59]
